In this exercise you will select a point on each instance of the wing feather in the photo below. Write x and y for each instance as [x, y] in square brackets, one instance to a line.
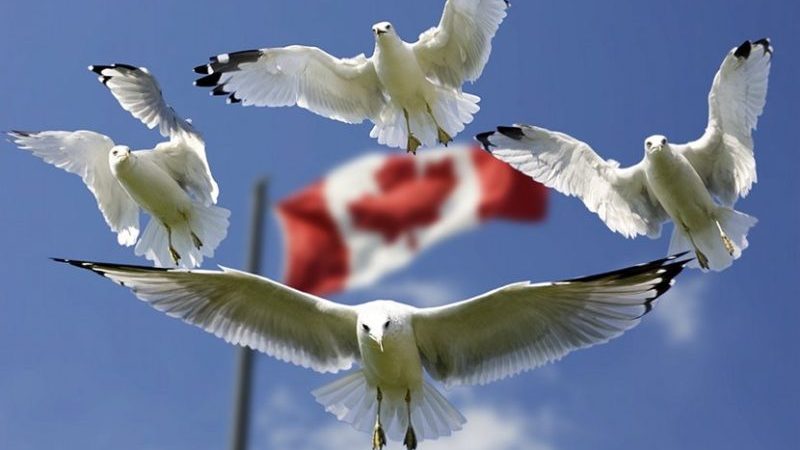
[345, 89]
[85, 153]
[184, 157]
[523, 326]
[620, 196]
[458, 48]
[248, 310]
[723, 156]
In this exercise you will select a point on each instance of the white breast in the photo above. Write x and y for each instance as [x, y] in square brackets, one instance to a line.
[153, 189]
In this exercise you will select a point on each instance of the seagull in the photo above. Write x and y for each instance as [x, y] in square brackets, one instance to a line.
[172, 182]
[495, 335]
[411, 92]
[677, 182]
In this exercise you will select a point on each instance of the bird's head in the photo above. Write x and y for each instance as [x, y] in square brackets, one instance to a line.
[382, 29]
[654, 143]
[119, 154]
[379, 323]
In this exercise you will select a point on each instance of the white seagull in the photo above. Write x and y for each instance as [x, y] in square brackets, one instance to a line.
[172, 182]
[673, 181]
[411, 92]
[495, 335]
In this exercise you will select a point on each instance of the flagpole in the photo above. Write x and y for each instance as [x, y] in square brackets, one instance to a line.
[244, 366]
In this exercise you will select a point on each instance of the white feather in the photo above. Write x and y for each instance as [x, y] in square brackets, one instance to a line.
[498, 334]
[723, 156]
[85, 153]
[620, 196]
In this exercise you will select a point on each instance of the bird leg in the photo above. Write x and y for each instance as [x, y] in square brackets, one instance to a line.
[411, 438]
[378, 436]
[413, 143]
[442, 135]
[197, 242]
[701, 258]
[725, 239]
[176, 257]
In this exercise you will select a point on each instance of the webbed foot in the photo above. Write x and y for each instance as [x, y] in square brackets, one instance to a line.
[378, 437]
[443, 137]
[196, 240]
[176, 257]
[701, 259]
[411, 439]
[413, 144]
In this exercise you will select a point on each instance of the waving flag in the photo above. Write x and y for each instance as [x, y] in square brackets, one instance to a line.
[375, 213]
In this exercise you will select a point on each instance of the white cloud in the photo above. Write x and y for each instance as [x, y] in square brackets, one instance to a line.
[679, 310]
[283, 425]
[417, 292]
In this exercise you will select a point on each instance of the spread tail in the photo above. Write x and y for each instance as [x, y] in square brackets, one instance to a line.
[735, 225]
[206, 227]
[352, 400]
[452, 109]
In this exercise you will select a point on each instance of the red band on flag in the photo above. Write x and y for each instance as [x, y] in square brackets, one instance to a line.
[316, 257]
[375, 214]
[507, 193]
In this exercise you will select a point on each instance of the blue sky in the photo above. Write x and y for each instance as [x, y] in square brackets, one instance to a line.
[86, 365]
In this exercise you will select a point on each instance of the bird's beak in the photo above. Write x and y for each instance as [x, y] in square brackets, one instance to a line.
[379, 32]
[378, 340]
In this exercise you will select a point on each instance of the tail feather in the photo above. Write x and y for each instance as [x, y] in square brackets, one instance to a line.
[735, 224]
[453, 110]
[353, 401]
[153, 244]
[208, 223]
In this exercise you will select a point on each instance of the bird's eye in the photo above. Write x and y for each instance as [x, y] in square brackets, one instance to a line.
[114, 153]
[365, 327]
[648, 144]
[388, 27]
[663, 141]
[386, 325]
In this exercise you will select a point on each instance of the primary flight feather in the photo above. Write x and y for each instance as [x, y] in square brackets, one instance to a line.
[172, 182]
[411, 92]
[498, 334]
[673, 181]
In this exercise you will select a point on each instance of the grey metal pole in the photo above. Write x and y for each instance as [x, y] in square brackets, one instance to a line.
[241, 403]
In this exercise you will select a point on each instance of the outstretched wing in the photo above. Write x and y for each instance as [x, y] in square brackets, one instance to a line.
[619, 196]
[343, 89]
[523, 326]
[248, 310]
[458, 48]
[184, 157]
[85, 153]
[723, 156]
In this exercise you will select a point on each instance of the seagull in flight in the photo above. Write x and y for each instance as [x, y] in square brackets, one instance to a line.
[498, 334]
[411, 92]
[678, 182]
[172, 182]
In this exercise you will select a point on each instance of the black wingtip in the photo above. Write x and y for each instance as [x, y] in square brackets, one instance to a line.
[219, 90]
[20, 133]
[511, 132]
[97, 68]
[79, 264]
[743, 51]
[765, 42]
[101, 267]
[202, 70]
[233, 99]
[208, 80]
[668, 261]
[483, 138]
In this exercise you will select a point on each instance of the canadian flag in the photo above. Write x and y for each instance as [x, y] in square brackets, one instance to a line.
[375, 213]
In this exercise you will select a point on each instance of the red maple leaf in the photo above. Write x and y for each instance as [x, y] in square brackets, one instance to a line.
[407, 200]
